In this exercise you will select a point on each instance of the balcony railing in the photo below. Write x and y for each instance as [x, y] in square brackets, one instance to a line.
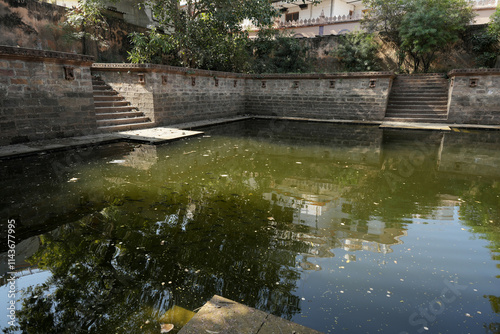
[322, 20]
[484, 3]
[319, 20]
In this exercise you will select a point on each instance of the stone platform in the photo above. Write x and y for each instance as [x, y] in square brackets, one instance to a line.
[415, 126]
[224, 316]
[157, 135]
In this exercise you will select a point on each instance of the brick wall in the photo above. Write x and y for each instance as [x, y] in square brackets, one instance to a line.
[170, 95]
[474, 97]
[38, 101]
[349, 96]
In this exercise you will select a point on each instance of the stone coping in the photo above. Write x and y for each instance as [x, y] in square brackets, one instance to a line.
[126, 67]
[467, 72]
[335, 75]
[13, 52]
[116, 67]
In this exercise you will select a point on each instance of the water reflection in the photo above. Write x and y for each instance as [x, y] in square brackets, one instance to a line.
[254, 214]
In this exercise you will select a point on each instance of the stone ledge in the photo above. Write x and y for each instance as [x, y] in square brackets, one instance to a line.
[337, 75]
[11, 52]
[466, 72]
[191, 71]
[162, 68]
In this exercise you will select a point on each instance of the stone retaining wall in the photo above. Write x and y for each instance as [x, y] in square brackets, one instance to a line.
[170, 95]
[340, 96]
[474, 96]
[44, 95]
[47, 94]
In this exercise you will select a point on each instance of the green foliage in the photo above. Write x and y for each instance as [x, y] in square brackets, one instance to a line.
[87, 22]
[486, 48]
[357, 52]
[418, 29]
[430, 26]
[274, 52]
[384, 18]
[494, 26]
[202, 34]
[154, 47]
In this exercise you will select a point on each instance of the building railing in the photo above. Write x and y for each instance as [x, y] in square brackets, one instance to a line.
[322, 20]
[484, 3]
[319, 20]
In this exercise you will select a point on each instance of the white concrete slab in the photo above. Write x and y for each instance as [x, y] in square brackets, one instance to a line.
[158, 135]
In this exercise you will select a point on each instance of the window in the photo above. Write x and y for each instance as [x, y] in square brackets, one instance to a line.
[292, 17]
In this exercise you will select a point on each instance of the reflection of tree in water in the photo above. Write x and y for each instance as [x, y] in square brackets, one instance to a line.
[113, 271]
[480, 210]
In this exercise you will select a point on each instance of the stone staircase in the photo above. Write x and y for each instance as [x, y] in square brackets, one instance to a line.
[113, 112]
[418, 98]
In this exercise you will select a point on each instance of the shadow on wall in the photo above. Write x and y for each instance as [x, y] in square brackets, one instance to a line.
[39, 25]
[33, 24]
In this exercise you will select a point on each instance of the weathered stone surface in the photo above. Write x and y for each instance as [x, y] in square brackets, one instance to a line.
[474, 97]
[38, 101]
[276, 325]
[224, 316]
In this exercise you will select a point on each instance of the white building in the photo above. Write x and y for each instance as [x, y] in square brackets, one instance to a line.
[334, 17]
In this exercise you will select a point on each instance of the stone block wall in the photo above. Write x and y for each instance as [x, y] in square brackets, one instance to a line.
[170, 95]
[474, 96]
[349, 96]
[44, 95]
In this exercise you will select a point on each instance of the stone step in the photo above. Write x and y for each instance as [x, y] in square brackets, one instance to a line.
[125, 127]
[111, 103]
[114, 115]
[101, 87]
[102, 110]
[417, 99]
[423, 94]
[419, 90]
[108, 98]
[421, 104]
[411, 107]
[419, 113]
[122, 121]
[100, 93]
[416, 115]
[416, 120]
[422, 89]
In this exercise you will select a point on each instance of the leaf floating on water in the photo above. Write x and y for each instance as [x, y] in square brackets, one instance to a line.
[165, 328]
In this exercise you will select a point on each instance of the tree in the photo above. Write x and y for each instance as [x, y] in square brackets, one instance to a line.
[203, 33]
[432, 25]
[88, 22]
[418, 29]
[494, 26]
[384, 18]
[357, 51]
[275, 52]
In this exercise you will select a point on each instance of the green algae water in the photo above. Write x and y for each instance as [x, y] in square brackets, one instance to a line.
[338, 228]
